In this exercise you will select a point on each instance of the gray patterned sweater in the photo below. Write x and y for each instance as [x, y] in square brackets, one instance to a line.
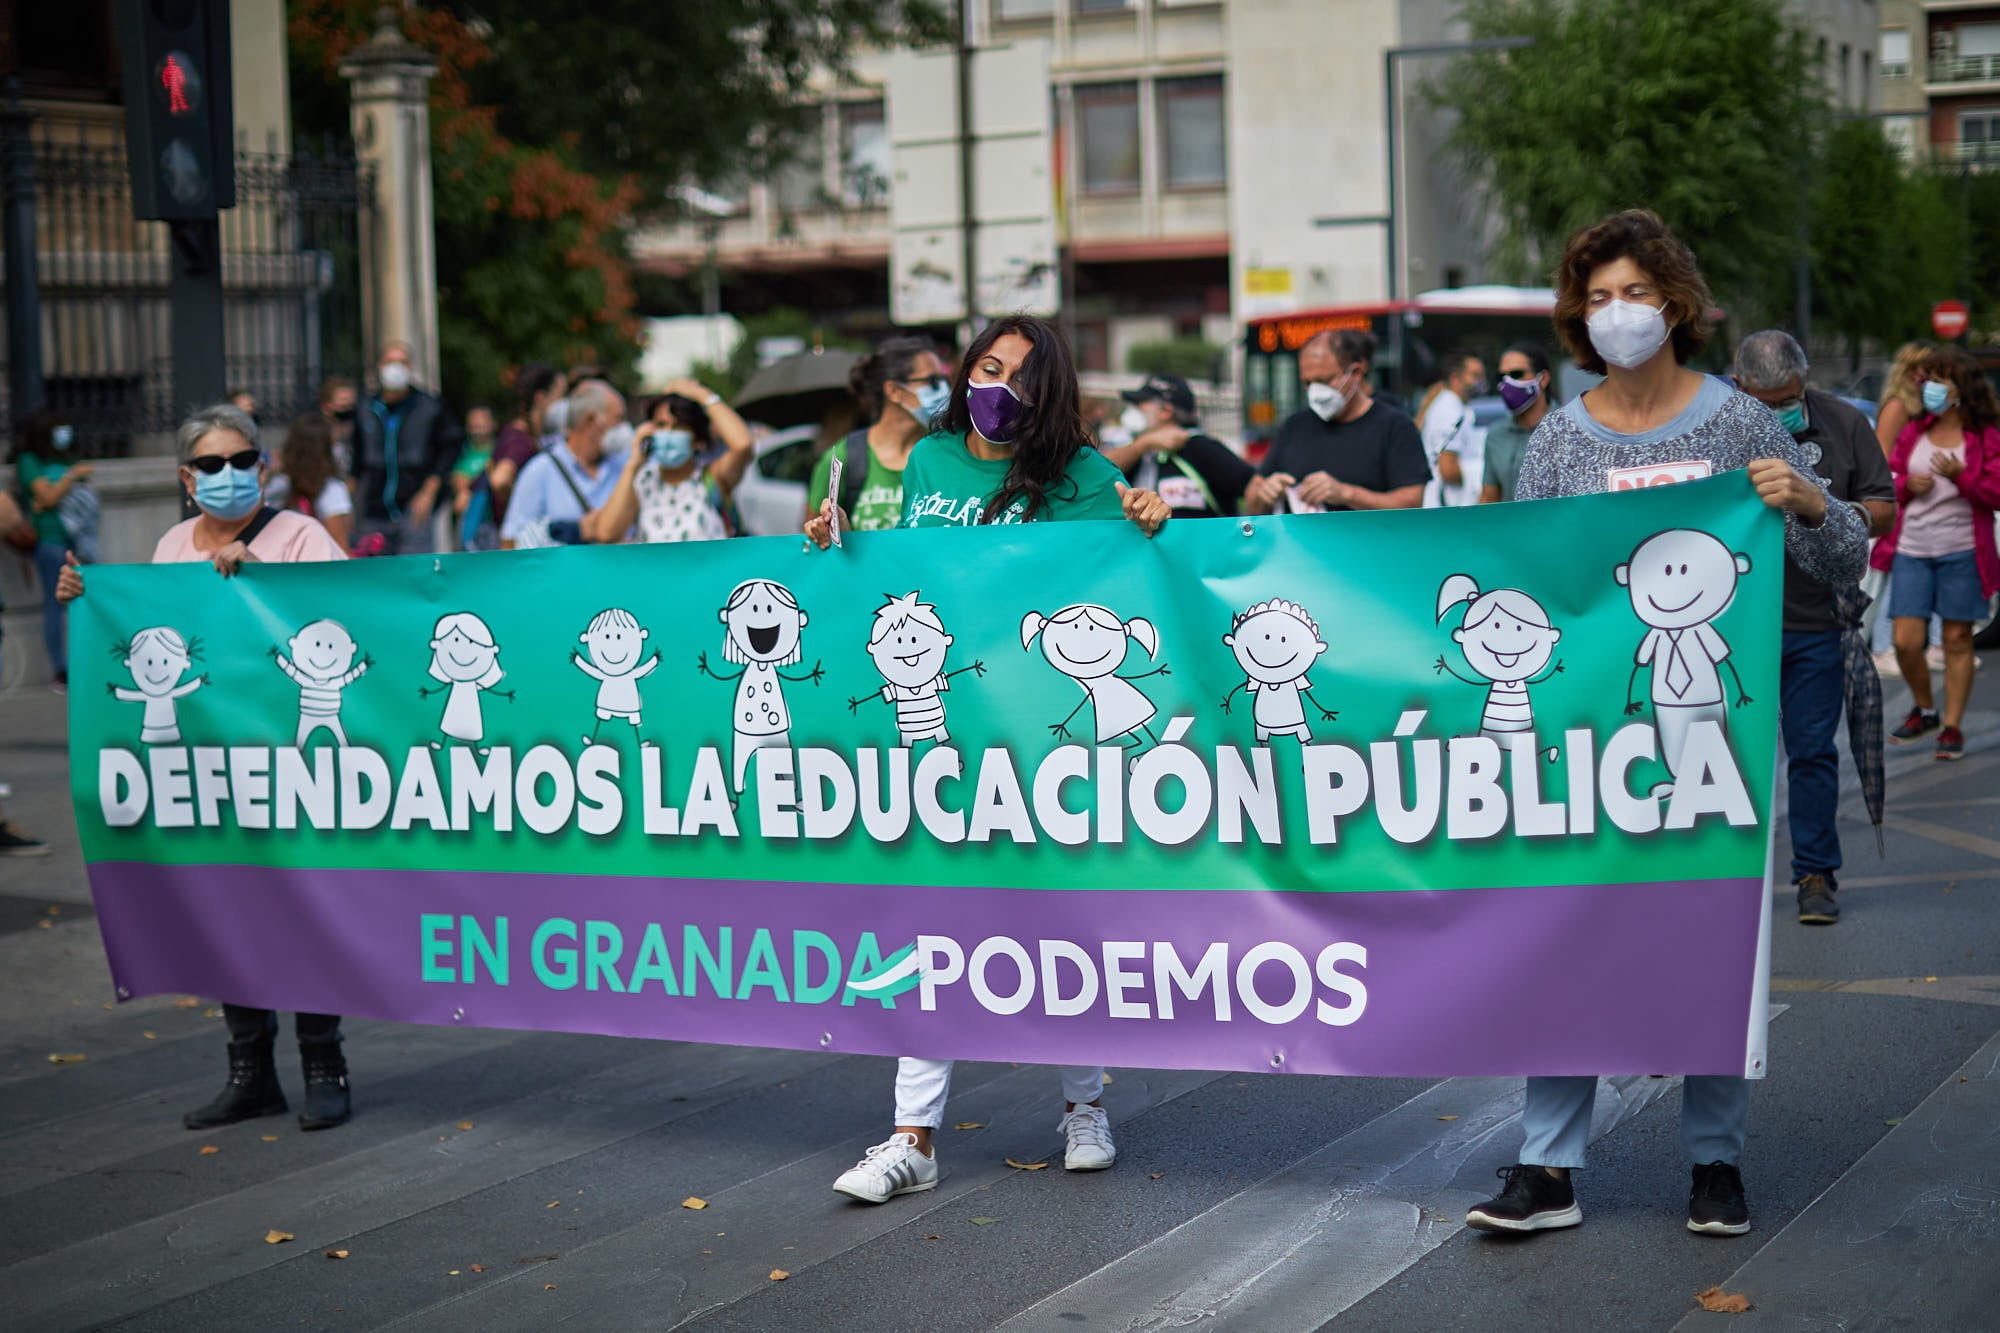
[1571, 454]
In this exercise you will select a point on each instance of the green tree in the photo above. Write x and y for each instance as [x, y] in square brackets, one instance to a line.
[1702, 110]
[1864, 268]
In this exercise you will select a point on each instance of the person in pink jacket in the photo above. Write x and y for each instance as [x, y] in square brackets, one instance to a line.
[1942, 556]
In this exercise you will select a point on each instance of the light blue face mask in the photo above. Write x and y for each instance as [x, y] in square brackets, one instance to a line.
[229, 494]
[1937, 396]
[932, 400]
[62, 436]
[672, 448]
[1792, 416]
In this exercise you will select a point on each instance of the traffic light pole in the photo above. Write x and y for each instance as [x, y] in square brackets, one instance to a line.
[24, 306]
[194, 290]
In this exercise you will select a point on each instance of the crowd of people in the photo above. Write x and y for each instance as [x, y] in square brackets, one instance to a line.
[999, 435]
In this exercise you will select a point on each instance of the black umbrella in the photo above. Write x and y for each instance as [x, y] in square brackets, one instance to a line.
[1864, 703]
[799, 390]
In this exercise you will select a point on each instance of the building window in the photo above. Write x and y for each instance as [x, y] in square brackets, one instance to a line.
[1895, 53]
[1846, 62]
[1105, 6]
[1979, 135]
[1009, 11]
[799, 186]
[1107, 116]
[1191, 127]
[864, 155]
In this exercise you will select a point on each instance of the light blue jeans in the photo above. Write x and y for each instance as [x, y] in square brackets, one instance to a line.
[1715, 1115]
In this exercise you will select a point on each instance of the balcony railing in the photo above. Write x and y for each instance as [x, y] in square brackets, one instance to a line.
[1895, 69]
[1963, 69]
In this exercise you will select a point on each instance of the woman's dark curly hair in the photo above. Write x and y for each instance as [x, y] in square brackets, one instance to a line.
[1639, 235]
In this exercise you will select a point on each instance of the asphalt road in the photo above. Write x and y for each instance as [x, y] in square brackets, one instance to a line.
[496, 1180]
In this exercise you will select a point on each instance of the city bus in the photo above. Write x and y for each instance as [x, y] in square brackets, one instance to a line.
[1412, 337]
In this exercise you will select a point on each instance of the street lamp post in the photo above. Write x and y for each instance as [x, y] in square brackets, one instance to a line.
[1391, 104]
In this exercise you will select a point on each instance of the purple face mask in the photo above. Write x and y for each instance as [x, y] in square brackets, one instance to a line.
[994, 409]
[1518, 395]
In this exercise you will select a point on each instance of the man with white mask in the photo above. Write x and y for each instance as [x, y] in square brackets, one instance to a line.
[405, 445]
[1343, 450]
[574, 476]
[1167, 451]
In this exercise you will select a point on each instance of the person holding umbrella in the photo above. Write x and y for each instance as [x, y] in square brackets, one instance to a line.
[1814, 682]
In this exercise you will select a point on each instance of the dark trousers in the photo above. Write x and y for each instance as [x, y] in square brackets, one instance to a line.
[1811, 694]
[247, 1024]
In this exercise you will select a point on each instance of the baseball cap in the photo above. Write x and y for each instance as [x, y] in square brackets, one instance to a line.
[1169, 389]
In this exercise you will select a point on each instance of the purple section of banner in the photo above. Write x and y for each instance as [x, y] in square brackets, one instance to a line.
[1581, 979]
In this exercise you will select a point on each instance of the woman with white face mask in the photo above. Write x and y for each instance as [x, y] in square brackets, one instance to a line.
[1631, 306]
[223, 471]
[905, 382]
[674, 488]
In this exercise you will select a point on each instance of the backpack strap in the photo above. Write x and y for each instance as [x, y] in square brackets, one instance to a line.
[257, 524]
[853, 480]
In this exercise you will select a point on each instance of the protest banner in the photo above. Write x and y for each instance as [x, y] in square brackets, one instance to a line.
[1481, 791]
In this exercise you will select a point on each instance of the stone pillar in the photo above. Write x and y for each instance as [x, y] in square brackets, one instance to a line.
[392, 137]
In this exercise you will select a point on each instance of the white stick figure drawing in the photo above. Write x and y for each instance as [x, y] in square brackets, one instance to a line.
[762, 623]
[1680, 581]
[1507, 640]
[908, 643]
[157, 658]
[467, 660]
[1276, 643]
[615, 641]
[1087, 644]
[322, 665]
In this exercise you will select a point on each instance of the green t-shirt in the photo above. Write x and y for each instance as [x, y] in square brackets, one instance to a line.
[945, 486]
[881, 503]
[1505, 444]
[48, 523]
[472, 462]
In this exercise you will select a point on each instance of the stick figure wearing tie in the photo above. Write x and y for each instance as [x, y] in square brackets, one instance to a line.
[1680, 581]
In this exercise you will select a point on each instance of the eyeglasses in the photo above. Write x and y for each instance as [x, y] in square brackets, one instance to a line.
[243, 460]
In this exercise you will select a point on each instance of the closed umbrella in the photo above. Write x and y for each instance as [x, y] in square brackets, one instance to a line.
[1864, 703]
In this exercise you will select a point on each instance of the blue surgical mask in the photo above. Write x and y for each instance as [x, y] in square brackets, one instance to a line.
[62, 436]
[229, 494]
[1792, 416]
[672, 448]
[932, 400]
[1937, 397]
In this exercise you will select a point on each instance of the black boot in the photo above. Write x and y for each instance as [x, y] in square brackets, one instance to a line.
[252, 1089]
[327, 1101]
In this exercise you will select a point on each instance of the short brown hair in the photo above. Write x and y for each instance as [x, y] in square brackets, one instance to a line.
[1639, 235]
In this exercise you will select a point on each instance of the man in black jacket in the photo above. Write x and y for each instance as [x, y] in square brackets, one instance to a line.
[405, 444]
[1196, 474]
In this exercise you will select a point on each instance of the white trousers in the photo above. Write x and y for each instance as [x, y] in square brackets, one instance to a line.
[922, 1086]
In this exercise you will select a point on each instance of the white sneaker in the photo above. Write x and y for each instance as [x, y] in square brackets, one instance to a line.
[1087, 1139]
[891, 1167]
[1886, 663]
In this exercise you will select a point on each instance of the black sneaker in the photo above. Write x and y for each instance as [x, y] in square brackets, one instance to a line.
[13, 842]
[1951, 744]
[1918, 723]
[1816, 904]
[1715, 1204]
[1532, 1200]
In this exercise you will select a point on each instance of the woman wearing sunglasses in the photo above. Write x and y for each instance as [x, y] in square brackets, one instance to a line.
[222, 468]
[1010, 446]
[905, 383]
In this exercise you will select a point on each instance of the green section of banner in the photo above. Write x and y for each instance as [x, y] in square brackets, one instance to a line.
[190, 694]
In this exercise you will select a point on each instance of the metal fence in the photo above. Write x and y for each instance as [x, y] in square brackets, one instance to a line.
[290, 271]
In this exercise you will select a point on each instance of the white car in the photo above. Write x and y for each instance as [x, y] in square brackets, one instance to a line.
[772, 495]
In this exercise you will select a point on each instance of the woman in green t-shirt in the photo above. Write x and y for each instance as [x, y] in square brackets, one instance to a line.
[46, 475]
[1011, 447]
[904, 381]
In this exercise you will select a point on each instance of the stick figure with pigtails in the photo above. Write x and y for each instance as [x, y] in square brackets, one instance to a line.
[908, 643]
[1087, 643]
[158, 657]
[1507, 641]
[1276, 643]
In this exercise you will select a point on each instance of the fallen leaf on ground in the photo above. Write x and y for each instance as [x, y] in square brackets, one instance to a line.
[277, 1237]
[57, 1059]
[44, 925]
[336, 1254]
[452, 1273]
[984, 1221]
[1930, 978]
[270, 1138]
[969, 1124]
[934, 1236]
[779, 1275]
[208, 1150]
[548, 1286]
[692, 1201]
[465, 1124]
[708, 1251]
[1025, 1166]
[1447, 1117]
[1156, 1175]
[1717, 1301]
[187, 1002]
[211, 1013]
[479, 1268]
[147, 1035]
[55, 911]
[555, 1203]
[1892, 1120]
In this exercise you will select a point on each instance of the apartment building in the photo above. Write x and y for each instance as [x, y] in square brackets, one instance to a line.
[1940, 64]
